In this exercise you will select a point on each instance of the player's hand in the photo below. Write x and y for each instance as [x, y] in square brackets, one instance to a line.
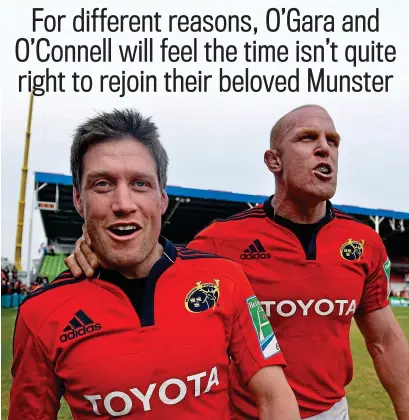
[83, 260]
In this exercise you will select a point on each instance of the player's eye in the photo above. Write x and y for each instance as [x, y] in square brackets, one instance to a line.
[140, 183]
[332, 140]
[102, 184]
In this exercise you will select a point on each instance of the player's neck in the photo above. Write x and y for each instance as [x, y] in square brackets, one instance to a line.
[142, 270]
[298, 211]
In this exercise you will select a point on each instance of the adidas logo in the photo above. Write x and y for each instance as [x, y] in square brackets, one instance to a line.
[80, 325]
[255, 251]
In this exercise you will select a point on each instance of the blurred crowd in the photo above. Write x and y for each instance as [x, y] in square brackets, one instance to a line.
[403, 293]
[39, 282]
[11, 284]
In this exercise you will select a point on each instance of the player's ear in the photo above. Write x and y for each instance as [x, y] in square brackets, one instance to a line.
[272, 160]
[164, 202]
[78, 202]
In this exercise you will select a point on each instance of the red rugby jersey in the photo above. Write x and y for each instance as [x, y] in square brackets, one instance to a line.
[83, 339]
[309, 296]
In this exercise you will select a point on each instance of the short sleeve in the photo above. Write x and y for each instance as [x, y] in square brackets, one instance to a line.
[253, 344]
[376, 288]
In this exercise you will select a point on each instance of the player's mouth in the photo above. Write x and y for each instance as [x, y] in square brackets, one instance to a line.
[323, 171]
[123, 231]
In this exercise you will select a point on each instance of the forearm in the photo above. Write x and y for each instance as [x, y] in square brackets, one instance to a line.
[275, 399]
[391, 362]
[283, 407]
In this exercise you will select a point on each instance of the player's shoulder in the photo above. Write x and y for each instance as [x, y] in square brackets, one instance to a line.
[229, 224]
[348, 220]
[44, 300]
[204, 261]
[256, 212]
[188, 254]
[356, 226]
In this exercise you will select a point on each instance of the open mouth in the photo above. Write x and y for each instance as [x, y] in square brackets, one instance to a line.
[324, 169]
[124, 230]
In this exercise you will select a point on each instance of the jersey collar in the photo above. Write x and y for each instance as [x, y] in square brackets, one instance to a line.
[147, 314]
[270, 212]
[168, 258]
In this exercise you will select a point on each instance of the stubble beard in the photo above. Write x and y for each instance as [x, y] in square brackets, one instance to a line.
[119, 258]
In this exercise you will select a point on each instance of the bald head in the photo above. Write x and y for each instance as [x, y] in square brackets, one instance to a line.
[303, 155]
[285, 123]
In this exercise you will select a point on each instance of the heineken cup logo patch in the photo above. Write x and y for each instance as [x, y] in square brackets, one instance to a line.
[265, 334]
[387, 268]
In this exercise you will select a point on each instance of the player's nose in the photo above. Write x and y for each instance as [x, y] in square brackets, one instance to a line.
[322, 147]
[124, 200]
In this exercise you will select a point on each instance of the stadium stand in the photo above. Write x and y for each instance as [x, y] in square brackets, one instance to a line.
[52, 265]
[192, 209]
[189, 211]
